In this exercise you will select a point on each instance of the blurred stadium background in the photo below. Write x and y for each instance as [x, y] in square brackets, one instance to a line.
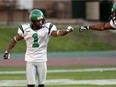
[16, 11]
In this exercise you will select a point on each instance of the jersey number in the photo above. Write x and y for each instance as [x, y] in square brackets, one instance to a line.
[35, 36]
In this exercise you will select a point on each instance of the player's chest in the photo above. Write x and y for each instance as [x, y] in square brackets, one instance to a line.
[42, 33]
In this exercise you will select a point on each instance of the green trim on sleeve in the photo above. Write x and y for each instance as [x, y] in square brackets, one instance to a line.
[50, 27]
[21, 28]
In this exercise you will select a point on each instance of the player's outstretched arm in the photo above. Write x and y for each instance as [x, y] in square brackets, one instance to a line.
[62, 32]
[11, 45]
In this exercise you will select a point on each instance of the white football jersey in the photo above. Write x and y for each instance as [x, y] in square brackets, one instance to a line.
[113, 23]
[36, 41]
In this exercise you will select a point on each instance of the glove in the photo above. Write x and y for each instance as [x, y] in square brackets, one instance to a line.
[69, 29]
[6, 55]
[83, 28]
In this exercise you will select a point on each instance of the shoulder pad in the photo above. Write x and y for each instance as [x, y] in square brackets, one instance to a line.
[49, 26]
[22, 27]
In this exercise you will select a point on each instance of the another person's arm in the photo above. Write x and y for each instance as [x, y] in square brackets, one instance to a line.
[99, 27]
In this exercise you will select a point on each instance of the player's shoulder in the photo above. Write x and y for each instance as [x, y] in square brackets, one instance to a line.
[24, 26]
[48, 25]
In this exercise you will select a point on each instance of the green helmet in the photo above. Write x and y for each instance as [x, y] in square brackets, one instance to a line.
[36, 15]
[114, 7]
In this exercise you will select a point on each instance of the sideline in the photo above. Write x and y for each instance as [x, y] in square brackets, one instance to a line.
[60, 82]
[84, 54]
[14, 83]
[64, 70]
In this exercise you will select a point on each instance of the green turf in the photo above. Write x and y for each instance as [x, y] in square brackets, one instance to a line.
[75, 41]
[65, 75]
[72, 86]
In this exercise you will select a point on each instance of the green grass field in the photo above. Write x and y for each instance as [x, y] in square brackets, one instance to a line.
[68, 76]
[75, 41]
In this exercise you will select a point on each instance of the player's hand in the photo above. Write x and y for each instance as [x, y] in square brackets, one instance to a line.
[6, 55]
[70, 29]
[83, 28]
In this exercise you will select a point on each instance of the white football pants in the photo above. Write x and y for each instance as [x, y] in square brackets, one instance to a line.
[36, 68]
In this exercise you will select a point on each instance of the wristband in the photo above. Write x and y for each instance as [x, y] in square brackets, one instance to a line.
[6, 52]
[88, 27]
[15, 39]
[58, 33]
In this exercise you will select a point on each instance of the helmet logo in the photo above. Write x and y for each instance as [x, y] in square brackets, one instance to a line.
[38, 18]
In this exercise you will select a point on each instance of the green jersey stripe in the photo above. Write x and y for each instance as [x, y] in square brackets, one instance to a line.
[21, 28]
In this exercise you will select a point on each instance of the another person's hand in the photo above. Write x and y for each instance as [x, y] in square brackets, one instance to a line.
[6, 55]
[83, 28]
[70, 29]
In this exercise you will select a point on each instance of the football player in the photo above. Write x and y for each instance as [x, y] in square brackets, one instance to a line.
[36, 35]
[103, 26]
